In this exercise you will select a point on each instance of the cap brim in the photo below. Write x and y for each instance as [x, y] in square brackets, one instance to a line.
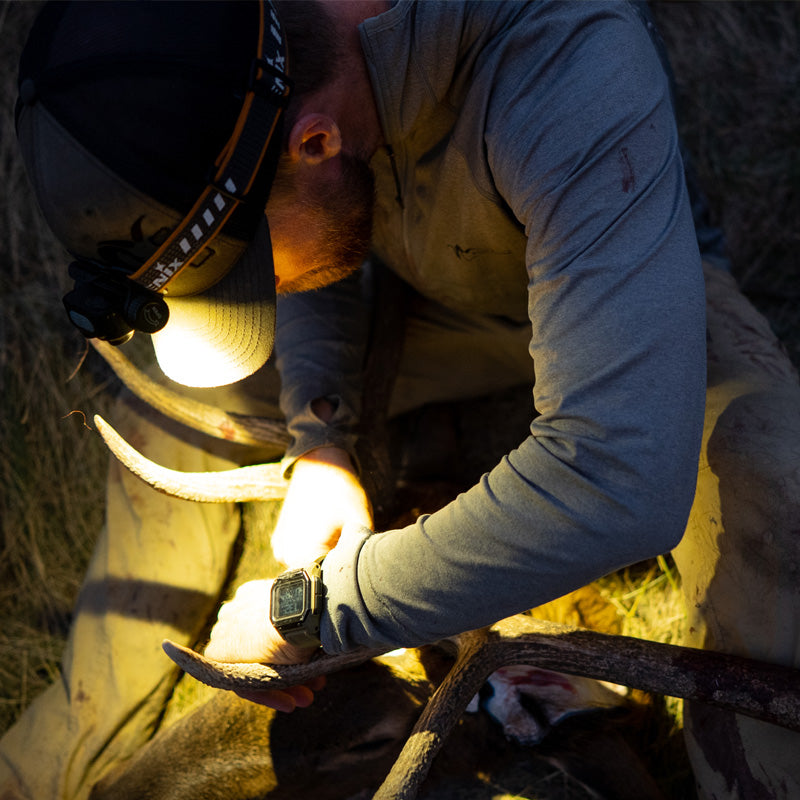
[226, 333]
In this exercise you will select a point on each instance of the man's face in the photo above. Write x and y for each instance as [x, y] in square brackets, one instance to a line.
[320, 228]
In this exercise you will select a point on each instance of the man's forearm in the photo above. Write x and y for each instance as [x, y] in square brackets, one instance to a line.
[320, 343]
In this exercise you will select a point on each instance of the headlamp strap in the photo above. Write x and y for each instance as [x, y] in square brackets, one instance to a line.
[237, 165]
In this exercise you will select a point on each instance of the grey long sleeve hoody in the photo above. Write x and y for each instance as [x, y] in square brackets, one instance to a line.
[539, 138]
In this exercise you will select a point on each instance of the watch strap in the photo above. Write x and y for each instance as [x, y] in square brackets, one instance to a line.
[301, 637]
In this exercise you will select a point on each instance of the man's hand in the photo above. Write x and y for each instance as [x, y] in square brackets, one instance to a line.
[324, 494]
[244, 633]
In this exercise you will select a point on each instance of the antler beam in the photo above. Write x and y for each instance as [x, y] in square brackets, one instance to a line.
[768, 692]
[242, 484]
[763, 691]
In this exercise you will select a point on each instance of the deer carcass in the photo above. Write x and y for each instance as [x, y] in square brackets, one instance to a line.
[231, 748]
[760, 690]
[344, 745]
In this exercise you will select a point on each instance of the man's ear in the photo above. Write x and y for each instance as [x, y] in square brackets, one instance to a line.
[314, 138]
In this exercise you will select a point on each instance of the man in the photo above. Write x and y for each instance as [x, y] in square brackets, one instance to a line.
[528, 186]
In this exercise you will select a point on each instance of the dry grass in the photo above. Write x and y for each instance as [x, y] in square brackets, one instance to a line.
[52, 497]
[739, 88]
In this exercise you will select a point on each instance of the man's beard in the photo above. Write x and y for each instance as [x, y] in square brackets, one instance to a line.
[342, 209]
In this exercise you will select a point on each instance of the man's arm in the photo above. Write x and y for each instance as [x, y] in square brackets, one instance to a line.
[585, 153]
[320, 345]
[324, 495]
[320, 341]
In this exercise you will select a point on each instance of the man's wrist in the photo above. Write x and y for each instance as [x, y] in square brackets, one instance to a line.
[329, 454]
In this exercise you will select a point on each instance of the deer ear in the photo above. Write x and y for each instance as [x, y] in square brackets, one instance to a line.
[314, 138]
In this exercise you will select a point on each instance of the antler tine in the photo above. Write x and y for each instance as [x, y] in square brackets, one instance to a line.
[230, 676]
[241, 428]
[473, 666]
[243, 484]
[769, 692]
[756, 689]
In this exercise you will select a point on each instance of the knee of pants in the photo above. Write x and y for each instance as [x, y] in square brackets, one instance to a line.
[741, 556]
[753, 452]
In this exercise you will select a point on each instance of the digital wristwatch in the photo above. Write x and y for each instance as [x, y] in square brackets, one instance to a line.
[296, 604]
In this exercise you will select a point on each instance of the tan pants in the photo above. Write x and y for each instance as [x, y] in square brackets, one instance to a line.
[157, 572]
[740, 557]
[161, 563]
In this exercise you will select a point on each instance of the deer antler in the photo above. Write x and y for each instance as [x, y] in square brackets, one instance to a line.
[232, 427]
[242, 484]
[768, 692]
[231, 676]
[763, 691]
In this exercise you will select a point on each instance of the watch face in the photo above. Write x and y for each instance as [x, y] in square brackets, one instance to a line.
[288, 600]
